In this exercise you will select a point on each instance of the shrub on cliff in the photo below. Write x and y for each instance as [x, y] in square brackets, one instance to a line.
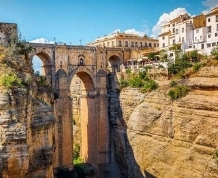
[196, 67]
[10, 81]
[18, 46]
[214, 52]
[179, 66]
[139, 80]
[178, 92]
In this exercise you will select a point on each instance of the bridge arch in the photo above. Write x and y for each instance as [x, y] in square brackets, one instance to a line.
[46, 68]
[83, 95]
[114, 63]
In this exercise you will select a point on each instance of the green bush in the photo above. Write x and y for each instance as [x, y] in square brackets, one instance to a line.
[10, 81]
[179, 66]
[216, 156]
[194, 55]
[76, 151]
[149, 85]
[178, 92]
[214, 52]
[173, 83]
[123, 83]
[196, 67]
[139, 80]
[128, 71]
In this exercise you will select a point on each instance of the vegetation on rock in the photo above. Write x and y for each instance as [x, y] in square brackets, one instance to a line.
[14, 63]
[139, 80]
[178, 92]
[214, 52]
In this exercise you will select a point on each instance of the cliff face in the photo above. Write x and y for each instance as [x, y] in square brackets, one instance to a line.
[26, 133]
[175, 139]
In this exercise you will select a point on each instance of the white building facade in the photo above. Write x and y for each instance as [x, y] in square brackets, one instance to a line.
[192, 33]
[212, 29]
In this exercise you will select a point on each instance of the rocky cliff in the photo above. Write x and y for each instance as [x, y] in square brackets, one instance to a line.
[26, 128]
[176, 139]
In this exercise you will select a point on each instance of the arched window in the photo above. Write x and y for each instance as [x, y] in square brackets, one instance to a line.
[81, 61]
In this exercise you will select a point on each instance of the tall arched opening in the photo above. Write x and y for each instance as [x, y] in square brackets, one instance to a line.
[83, 96]
[42, 64]
[114, 63]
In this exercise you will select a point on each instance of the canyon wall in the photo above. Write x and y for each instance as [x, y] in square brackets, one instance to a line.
[175, 138]
[26, 132]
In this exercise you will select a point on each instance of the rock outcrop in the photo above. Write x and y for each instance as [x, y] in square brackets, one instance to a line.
[26, 133]
[175, 138]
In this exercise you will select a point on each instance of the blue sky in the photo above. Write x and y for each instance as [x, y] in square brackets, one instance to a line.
[70, 21]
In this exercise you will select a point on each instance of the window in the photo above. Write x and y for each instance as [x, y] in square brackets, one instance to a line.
[108, 44]
[216, 35]
[173, 41]
[132, 44]
[208, 20]
[173, 30]
[150, 45]
[209, 36]
[179, 39]
[146, 45]
[209, 45]
[197, 31]
[140, 44]
[163, 45]
[120, 44]
[155, 45]
[163, 37]
[136, 44]
[195, 39]
[200, 37]
[183, 40]
[217, 27]
[182, 30]
[208, 29]
[174, 25]
[177, 31]
[126, 44]
[216, 18]
[214, 44]
[202, 46]
[81, 61]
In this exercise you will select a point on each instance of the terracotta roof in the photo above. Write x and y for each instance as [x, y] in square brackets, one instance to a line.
[164, 34]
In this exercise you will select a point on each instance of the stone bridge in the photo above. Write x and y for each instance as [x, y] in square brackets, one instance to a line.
[62, 66]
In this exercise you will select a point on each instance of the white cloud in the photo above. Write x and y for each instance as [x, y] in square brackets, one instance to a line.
[41, 40]
[130, 31]
[117, 30]
[210, 4]
[133, 31]
[156, 30]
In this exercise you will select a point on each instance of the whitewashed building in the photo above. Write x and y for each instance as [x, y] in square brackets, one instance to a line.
[212, 30]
